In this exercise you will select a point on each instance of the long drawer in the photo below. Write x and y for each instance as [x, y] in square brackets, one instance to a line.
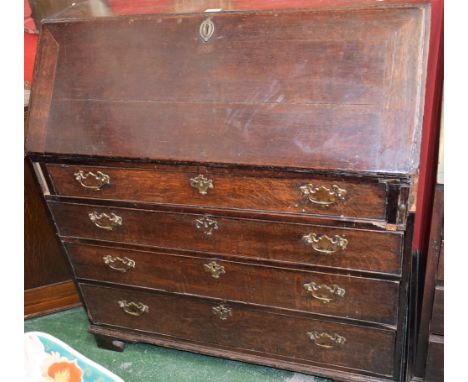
[365, 250]
[322, 293]
[287, 192]
[241, 327]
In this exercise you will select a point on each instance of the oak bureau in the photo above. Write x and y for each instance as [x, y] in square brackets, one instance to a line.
[238, 182]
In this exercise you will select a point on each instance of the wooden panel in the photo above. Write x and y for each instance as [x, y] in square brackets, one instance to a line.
[430, 281]
[341, 91]
[437, 322]
[44, 262]
[254, 190]
[269, 240]
[435, 360]
[50, 298]
[440, 266]
[247, 328]
[362, 299]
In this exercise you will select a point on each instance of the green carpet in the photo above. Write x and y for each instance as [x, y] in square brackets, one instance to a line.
[141, 362]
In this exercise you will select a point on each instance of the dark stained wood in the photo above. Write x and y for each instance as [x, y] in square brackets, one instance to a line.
[109, 343]
[430, 290]
[231, 189]
[41, 96]
[437, 322]
[193, 319]
[435, 360]
[329, 92]
[44, 262]
[276, 241]
[331, 99]
[364, 299]
[50, 298]
[404, 306]
[84, 10]
[440, 266]
[246, 355]
[41, 9]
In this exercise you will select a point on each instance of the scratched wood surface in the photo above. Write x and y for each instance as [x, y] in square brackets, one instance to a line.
[191, 318]
[234, 189]
[268, 240]
[362, 299]
[274, 97]
[325, 90]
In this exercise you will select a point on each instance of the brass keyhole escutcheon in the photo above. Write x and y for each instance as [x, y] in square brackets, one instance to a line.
[202, 184]
[206, 30]
[215, 269]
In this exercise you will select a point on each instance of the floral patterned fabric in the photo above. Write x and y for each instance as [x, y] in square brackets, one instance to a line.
[47, 359]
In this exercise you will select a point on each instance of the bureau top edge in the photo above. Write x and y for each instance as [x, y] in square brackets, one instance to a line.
[84, 10]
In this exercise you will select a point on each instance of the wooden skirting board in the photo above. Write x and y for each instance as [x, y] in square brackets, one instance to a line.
[50, 298]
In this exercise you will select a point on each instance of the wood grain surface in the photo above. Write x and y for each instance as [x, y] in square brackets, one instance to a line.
[247, 328]
[341, 90]
[363, 299]
[269, 240]
[234, 189]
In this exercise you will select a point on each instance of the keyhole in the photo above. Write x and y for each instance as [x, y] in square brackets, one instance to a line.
[206, 30]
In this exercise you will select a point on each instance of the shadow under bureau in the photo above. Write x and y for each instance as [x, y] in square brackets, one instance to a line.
[238, 183]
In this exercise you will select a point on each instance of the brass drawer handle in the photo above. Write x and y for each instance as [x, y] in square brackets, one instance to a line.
[325, 340]
[206, 225]
[323, 292]
[323, 196]
[92, 180]
[133, 308]
[215, 269]
[105, 221]
[118, 263]
[202, 184]
[222, 311]
[325, 244]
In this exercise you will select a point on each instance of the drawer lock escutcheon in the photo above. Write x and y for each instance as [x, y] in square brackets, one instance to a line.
[133, 308]
[325, 340]
[222, 311]
[206, 225]
[323, 292]
[215, 269]
[325, 244]
[105, 221]
[118, 263]
[202, 184]
[206, 30]
[322, 196]
[92, 180]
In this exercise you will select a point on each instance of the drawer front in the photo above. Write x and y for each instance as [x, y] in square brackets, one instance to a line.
[322, 293]
[437, 322]
[218, 188]
[234, 326]
[298, 243]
